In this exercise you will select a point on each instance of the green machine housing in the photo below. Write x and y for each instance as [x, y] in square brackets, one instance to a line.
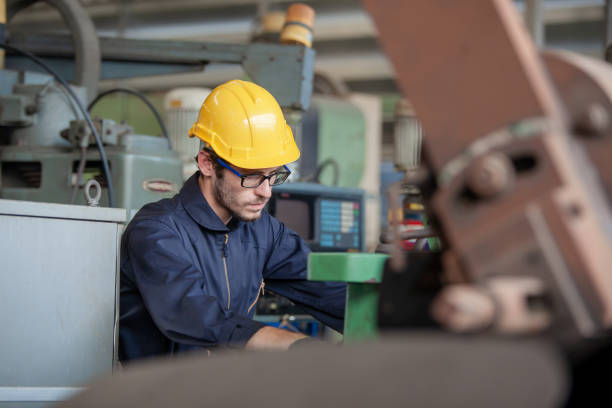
[332, 139]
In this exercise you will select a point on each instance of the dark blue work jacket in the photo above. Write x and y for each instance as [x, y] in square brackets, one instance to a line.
[188, 281]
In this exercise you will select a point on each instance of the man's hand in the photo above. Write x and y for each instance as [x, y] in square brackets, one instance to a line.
[271, 338]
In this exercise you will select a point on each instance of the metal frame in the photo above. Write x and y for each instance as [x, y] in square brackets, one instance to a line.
[286, 71]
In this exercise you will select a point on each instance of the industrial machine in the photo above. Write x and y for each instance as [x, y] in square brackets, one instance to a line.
[181, 107]
[328, 127]
[48, 139]
[43, 166]
[329, 219]
[518, 200]
[515, 182]
[49, 154]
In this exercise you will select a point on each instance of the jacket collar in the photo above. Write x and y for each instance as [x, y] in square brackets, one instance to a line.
[197, 207]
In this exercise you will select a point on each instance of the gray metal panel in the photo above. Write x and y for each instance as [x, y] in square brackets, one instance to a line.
[110, 69]
[74, 212]
[131, 168]
[119, 232]
[58, 298]
[285, 71]
[36, 394]
[8, 78]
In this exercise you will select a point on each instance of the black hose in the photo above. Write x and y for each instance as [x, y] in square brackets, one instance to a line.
[111, 195]
[143, 98]
[324, 164]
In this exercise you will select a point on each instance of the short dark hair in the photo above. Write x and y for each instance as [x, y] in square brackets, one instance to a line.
[212, 156]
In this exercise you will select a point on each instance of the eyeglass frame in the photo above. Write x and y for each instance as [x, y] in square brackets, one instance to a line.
[264, 178]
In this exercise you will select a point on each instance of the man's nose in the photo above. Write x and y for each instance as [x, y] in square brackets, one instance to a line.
[264, 189]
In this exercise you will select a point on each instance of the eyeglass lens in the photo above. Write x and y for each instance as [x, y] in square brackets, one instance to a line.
[254, 180]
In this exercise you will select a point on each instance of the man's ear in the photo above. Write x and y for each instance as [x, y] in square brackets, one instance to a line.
[205, 164]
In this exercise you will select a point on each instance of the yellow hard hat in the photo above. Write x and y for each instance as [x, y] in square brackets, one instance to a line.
[244, 125]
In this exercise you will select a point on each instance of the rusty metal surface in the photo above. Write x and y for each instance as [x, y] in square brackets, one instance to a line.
[471, 72]
[468, 220]
[585, 84]
[459, 57]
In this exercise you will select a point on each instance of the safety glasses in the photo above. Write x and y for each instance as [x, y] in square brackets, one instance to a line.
[255, 180]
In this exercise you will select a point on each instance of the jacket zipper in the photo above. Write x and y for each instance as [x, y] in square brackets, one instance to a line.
[261, 290]
[229, 293]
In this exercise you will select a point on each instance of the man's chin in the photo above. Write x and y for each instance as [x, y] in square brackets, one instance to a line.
[249, 216]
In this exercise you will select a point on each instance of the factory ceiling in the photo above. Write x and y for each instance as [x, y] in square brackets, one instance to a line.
[345, 38]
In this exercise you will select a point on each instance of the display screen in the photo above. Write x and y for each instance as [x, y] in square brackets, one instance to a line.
[328, 218]
[339, 223]
[296, 215]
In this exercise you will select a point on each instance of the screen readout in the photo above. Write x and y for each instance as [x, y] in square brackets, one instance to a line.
[339, 223]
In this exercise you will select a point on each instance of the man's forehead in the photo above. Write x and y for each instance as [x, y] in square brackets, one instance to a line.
[242, 170]
[267, 170]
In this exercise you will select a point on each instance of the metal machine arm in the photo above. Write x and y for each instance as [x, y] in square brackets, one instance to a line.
[285, 70]
[515, 196]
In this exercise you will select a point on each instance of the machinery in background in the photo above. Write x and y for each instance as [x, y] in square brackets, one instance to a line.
[182, 106]
[339, 135]
[519, 203]
[330, 219]
[43, 140]
[407, 137]
[362, 271]
[516, 182]
[406, 210]
[333, 142]
[340, 138]
[39, 165]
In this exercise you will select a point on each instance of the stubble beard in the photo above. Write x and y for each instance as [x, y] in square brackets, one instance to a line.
[229, 202]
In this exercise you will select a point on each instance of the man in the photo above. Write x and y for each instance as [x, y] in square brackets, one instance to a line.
[192, 267]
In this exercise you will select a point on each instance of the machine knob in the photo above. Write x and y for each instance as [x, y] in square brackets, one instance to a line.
[490, 175]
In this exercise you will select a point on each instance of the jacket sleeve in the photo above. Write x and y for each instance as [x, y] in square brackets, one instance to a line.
[174, 293]
[286, 275]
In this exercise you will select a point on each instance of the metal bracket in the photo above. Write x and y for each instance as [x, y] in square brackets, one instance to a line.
[79, 134]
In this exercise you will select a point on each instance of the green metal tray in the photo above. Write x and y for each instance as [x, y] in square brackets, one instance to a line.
[362, 272]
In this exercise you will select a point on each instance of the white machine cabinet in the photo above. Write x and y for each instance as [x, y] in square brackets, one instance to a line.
[59, 290]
